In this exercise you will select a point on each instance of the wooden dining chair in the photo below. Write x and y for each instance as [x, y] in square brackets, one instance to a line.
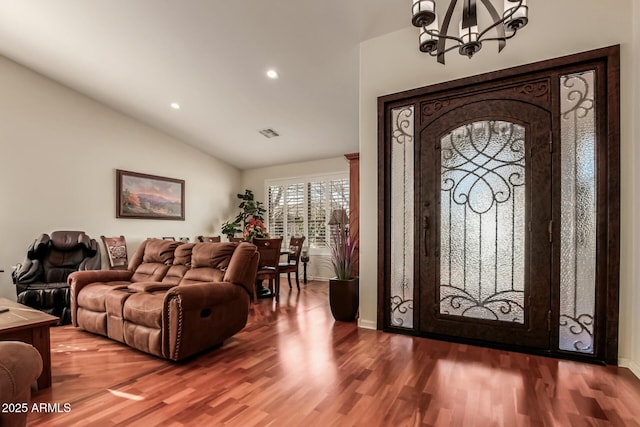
[293, 259]
[116, 248]
[268, 266]
[237, 239]
[209, 239]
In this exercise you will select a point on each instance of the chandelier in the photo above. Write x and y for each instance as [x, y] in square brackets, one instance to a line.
[433, 39]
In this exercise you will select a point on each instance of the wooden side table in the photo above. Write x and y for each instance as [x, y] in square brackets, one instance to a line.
[22, 323]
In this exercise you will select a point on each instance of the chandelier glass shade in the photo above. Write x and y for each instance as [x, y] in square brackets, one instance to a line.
[436, 40]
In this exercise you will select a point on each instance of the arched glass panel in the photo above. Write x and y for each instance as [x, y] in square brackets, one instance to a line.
[482, 221]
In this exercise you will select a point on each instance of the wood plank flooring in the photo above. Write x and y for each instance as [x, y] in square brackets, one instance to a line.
[294, 366]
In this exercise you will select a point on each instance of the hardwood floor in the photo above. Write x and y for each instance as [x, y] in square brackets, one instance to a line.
[294, 366]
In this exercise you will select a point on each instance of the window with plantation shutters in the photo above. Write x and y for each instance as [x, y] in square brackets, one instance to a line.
[302, 207]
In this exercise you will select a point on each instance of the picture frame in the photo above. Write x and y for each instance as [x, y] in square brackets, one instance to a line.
[144, 196]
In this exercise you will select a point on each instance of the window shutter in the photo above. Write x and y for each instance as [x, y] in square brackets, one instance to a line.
[317, 214]
[339, 194]
[295, 210]
[275, 214]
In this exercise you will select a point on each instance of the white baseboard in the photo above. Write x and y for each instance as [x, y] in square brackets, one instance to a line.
[367, 324]
[632, 365]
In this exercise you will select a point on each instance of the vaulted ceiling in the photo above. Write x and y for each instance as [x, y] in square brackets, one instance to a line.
[211, 57]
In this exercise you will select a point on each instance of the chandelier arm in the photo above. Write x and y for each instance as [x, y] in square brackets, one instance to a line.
[497, 23]
[450, 48]
[491, 39]
[439, 35]
[445, 30]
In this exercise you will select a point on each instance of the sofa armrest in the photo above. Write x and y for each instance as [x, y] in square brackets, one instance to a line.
[28, 272]
[20, 366]
[79, 279]
[243, 266]
[150, 286]
[201, 315]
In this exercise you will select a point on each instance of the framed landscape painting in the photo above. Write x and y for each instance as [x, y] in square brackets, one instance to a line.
[148, 196]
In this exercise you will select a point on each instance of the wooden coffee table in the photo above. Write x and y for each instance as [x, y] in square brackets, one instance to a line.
[22, 323]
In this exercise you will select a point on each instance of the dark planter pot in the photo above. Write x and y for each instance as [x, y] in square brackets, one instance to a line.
[344, 297]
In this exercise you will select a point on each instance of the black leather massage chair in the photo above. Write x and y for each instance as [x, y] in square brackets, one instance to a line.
[41, 279]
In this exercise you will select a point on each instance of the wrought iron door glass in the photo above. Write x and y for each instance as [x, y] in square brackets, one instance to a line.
[482, 221]
[402, 191]
[578, 222]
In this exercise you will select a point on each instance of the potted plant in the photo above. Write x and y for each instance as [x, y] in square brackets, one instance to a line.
[230, 229]
[250, 220]
[343, 288]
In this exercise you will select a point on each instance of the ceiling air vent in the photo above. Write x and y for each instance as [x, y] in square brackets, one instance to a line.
[269, 133]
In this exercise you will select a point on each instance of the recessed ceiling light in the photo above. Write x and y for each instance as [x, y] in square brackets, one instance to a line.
[272, 74]
[175, 105]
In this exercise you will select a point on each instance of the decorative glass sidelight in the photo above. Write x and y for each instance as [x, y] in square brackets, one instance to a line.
[402, 193]
[482, 221]
[578, 220]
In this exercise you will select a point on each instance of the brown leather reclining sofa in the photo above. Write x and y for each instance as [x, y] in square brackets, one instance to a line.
[174, 300]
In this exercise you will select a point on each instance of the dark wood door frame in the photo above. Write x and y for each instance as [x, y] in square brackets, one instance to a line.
[534, 83]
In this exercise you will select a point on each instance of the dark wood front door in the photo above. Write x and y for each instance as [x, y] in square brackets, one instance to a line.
[499, 208]
[483, 219]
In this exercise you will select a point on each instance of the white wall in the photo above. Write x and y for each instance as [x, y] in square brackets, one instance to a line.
[59, 152]
[392, 63]
[319, 267]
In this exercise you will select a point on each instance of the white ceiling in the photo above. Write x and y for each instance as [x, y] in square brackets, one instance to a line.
[211, 56]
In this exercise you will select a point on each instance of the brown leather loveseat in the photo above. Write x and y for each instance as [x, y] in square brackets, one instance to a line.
[174, 300]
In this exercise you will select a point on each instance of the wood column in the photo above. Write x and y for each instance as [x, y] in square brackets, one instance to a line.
[354, 208]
